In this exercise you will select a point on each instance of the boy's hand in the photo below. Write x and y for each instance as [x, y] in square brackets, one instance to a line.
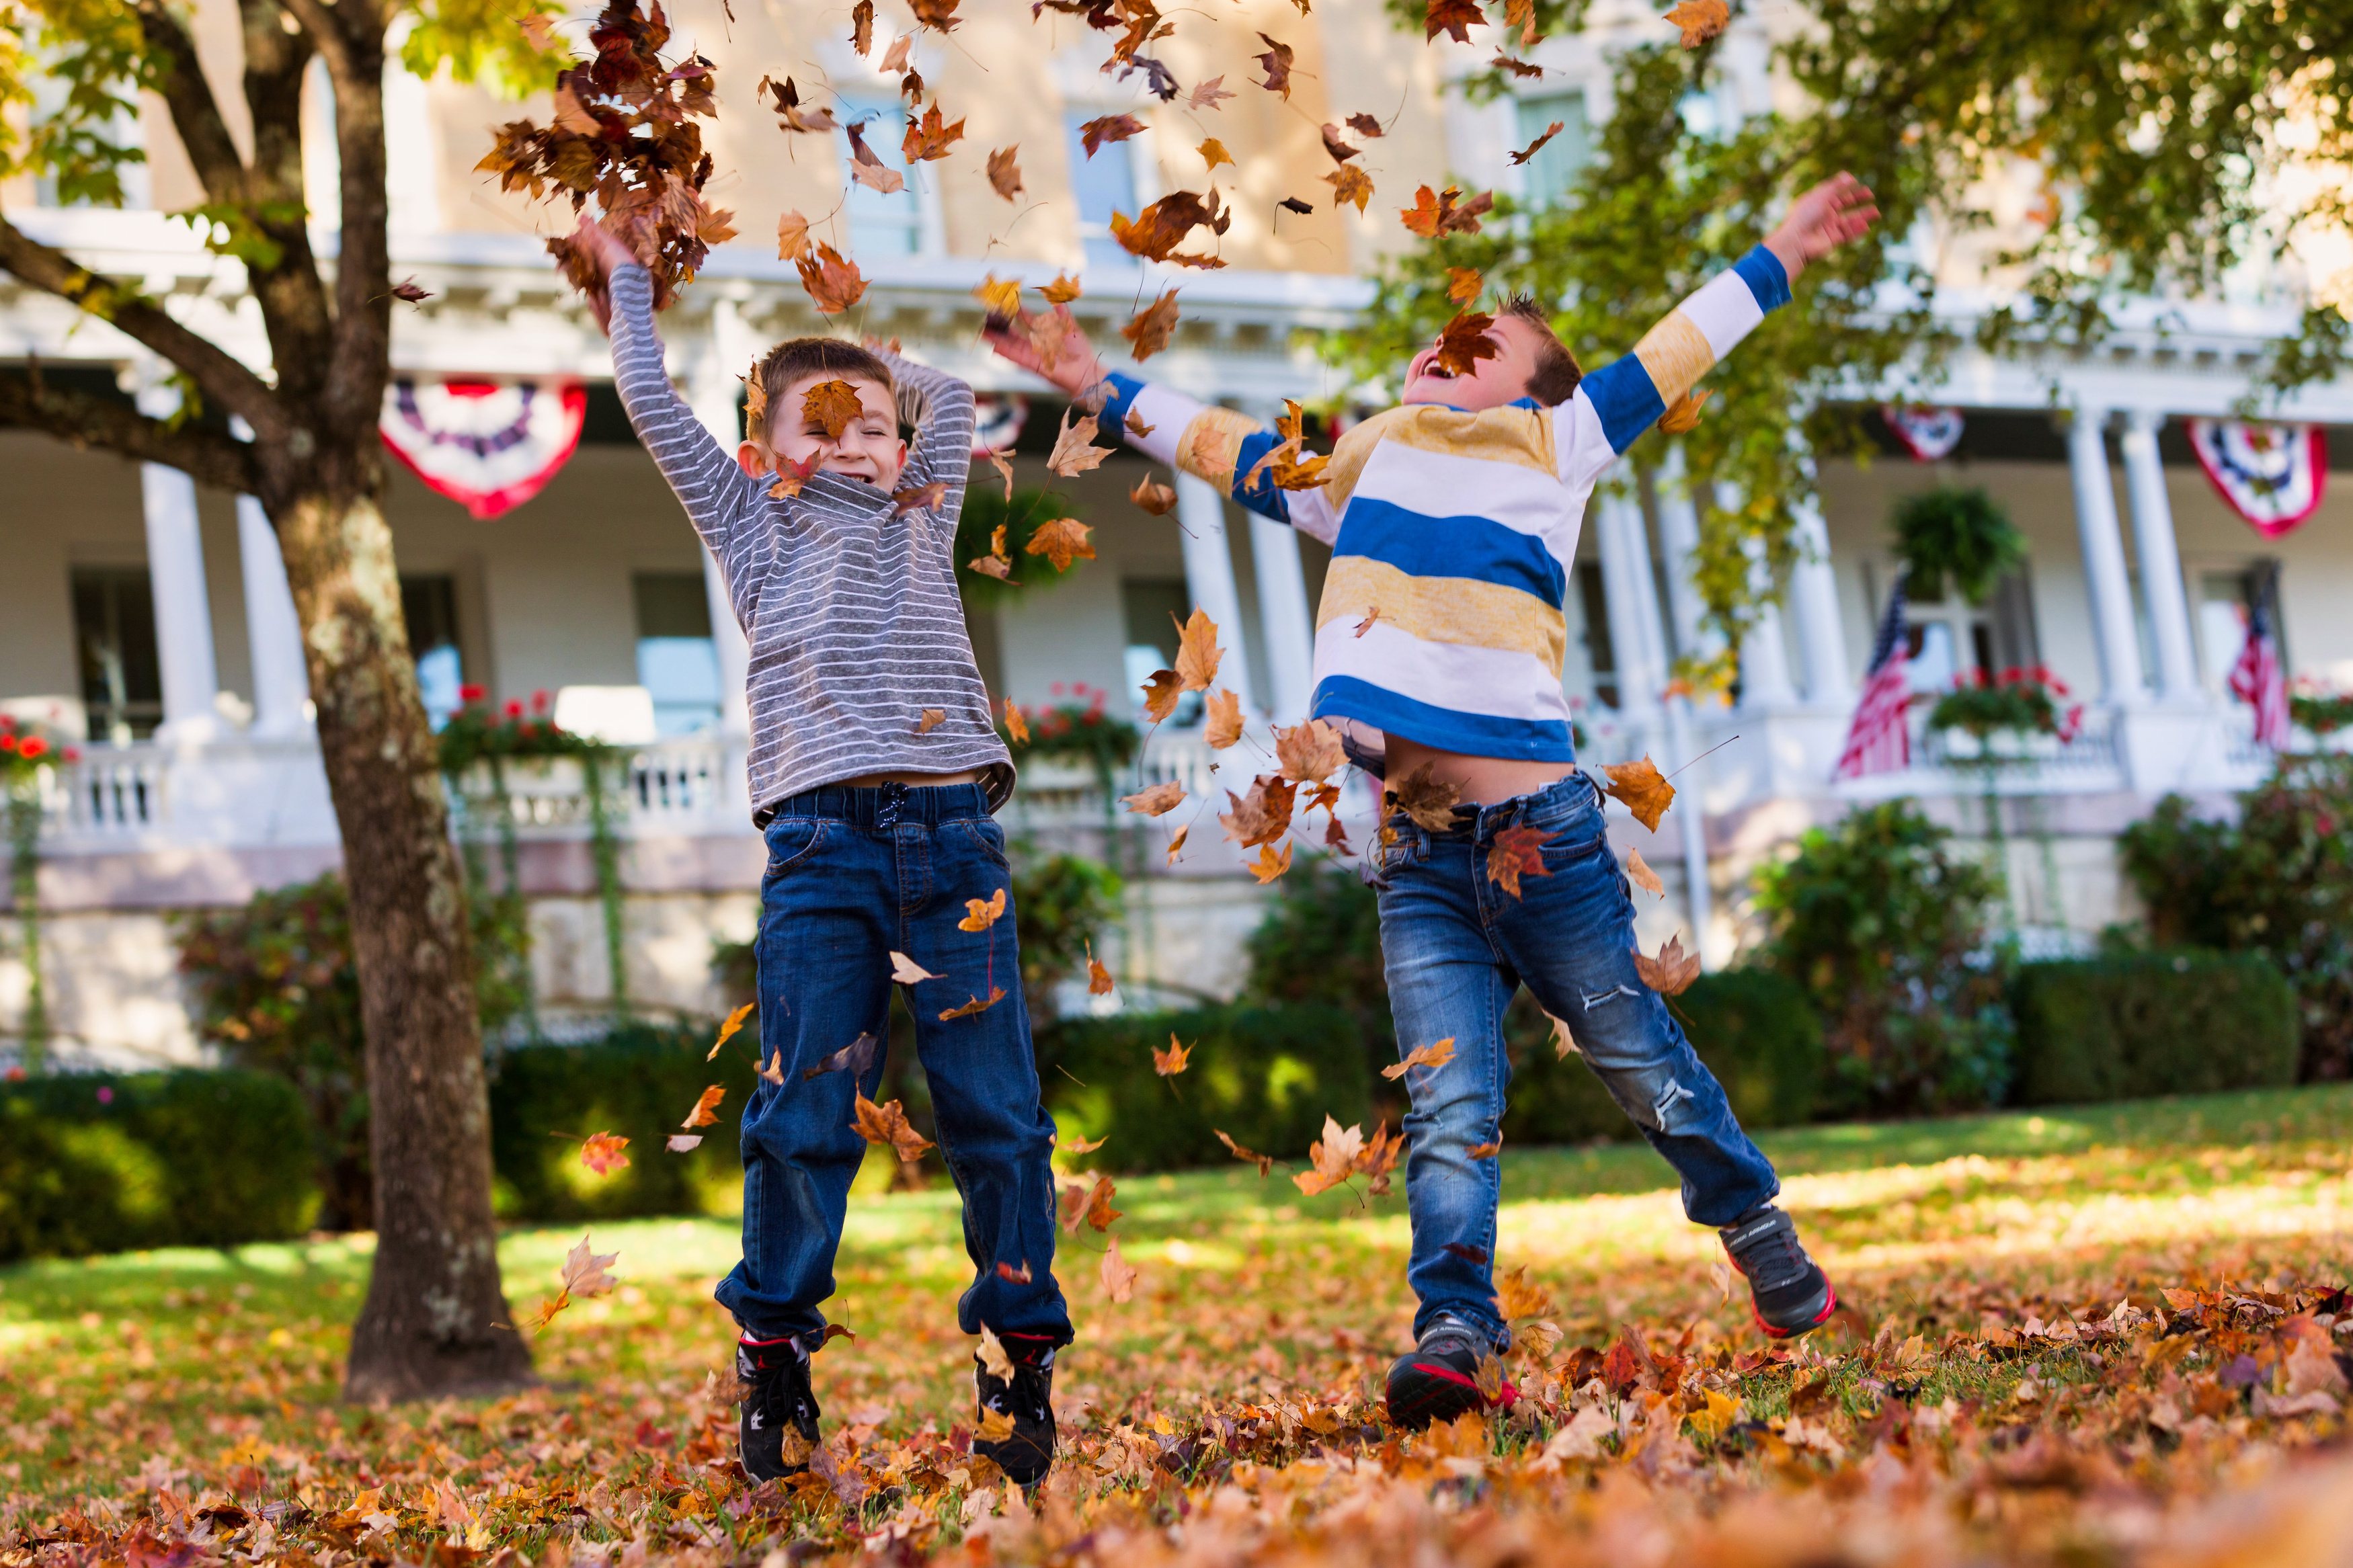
[1837, 210]
[604, 252]
[1029, 340]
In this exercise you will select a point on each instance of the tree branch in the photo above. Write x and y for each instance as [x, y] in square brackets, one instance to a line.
[195, 114]
[217, 375]
[84, 421]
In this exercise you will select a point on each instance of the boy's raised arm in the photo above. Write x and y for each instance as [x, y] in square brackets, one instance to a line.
[940, 408]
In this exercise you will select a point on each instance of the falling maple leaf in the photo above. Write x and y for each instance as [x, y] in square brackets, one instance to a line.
[1269, 864]
[727, 1030]
[1428, 801]
[1222, 720]
[1074, 449]
[995, 564]
[886, 1123]
[918, 498]
[1433, 214]
[993, 1359]
[1528, 152]
[937, 15]
[1310, 752]
[1159, 800]
[1336, 837]
[831, 406]
[408, 292]
[895, 59]
[1160, 694]
[1016, 726]
[601, 1152]
[853, 1059]
[861, 26]
[1153, 497]
[929, 139]
[1518, 68]
[1452, 18]
[1646, 794]
[867, 167]
[1152, 327]
[1276, 63]
[905, 970]
[831, 280]
[1262, 814]
[1435, 1055]
[980, 914]
[1119, 1276]
[1265, 1161]
[1518, 851]
[683, 1143]
[1365, 125]
[1170, 1062]
[1336, 146]
[1474, 1256]
[1004, 471]
[1483, 1151]
[790, 115]
[1522, 13]
[1639, 872]
[1156, 231]
[775, 1071]
[1681, 418]
[1463, 342]
[1293, 204]
[1197, 651]
[1002, 296]
[1213, 153]
[792, 236]
[1061, 541]
[1096, 1209]
[1700, 20]
[706, 1109]
[1517, 1296]
[1061, 290]
[1099, 980]
[1463, 284]
[1207, 94]
[1080, 1146]
[583, 1270]
[929, 720]
[1334, 1156]
[1004, 174]
[1177, 842]
[1350, 183]
[1372, 617]
[1672, 973]
[1007, 1272]
[792, 473]
[1104, 127]
[975, 1005]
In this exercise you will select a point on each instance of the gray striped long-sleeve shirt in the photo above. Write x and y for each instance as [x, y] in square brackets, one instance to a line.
[850, 606]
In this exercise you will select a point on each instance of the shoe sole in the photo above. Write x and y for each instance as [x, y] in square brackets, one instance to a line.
[1829, 1310]
[1444, 1396]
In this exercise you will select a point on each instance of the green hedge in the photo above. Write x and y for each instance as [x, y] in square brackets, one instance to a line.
[641, 1082]
[2137, 1024]
[106, 1162]
[1266, 1076]
[1752, 1027]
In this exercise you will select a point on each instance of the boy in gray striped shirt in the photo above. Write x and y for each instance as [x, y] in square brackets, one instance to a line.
[874, 766]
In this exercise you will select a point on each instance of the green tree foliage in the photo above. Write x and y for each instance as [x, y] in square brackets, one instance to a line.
[2279, 880]
[1884, 927]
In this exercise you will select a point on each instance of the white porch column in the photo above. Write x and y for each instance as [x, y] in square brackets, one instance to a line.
[1813, 602]
[1284, 618]
[273, 632]
[1630, 592]
[2160, 559]
[175, 573]
[1679, 539]
[1764, 655]
[2105, 581]
[1209, 577]
[711, 392]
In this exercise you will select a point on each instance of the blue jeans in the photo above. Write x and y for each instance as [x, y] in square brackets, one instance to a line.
[854, 874]
[1456, 947]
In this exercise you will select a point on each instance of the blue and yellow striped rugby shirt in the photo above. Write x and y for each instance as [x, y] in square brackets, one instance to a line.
[1458, 528]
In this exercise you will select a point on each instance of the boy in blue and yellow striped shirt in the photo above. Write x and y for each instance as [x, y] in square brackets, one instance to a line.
[1453, 521]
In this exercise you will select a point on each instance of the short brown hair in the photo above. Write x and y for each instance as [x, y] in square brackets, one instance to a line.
[1556, 372]
[798, 359]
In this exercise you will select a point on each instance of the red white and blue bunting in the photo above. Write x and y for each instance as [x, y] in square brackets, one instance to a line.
[1928, 434]
[996, 421]
[2272, 475]
[488, 446]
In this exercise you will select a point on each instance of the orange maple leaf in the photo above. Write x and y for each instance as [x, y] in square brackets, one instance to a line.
[706, 1109]
[1639, 786]
[601, 1152]
[1517, 852]
[831, 406]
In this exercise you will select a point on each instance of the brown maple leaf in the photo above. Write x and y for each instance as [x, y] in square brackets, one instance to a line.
[1334, 1157]
[1463, 283]
[1172, 1061]
[1350, 183]
[1119, 1276]
[831, 280]
[1108, 127]
[1519, 69]
[1074, 449]
[1158, 799]
[792, 473]
[1276, 63]
[1061, 290]
[1152, 327]
[1160, 694]
[1004, 174]
[1463, 342]
[1452, 18]
[1213, 153]
[895, 59]
[918, 498]
[1016, 726]
[995, 564]
[1155, 232]
[1177, 842]
[855, 1057]
[706, 1109]
[980, 914]
[1003, 471]
[886, 1123]
[1269, 864]
[928, 138]
[1310, 752]
[861, 26]
[831, 407]
[1263, 813]
[728, 1030]
[408, 292]
[1153, 497]
[1517, 852]
[1293, 204]
[976, 1005]
[1430, 803]
[1646, 794]
[930, 720]
[1197, 651]
[937, 15]
[1371, 618]
[1528, 152]
[1221, 719]
[1208, 93]
[1700, 20]
[601, 1152]
[1672, 973]
[1020, 1277]
[1339, 150]
[1433, 1055]
[1483, 1151]
[867, 167]
[1639, 872]
[1365, 125]
[790, 115]
[1081, 1145]
[1061, 541]
[1434, 213]
[1099, 984]
[792, 236]
[1265, 1161]
[1522, 13]
[1137, 428]
[1681, 416]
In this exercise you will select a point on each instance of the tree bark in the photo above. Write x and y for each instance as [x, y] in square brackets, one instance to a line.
[436, 1320]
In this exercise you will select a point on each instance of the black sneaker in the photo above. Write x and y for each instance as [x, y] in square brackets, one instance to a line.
[1789, 1293]
[1438, 1380]
[1028, 1452]
[773, 1383]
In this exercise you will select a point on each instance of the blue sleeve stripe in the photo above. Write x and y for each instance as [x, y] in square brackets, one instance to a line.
[1468, 546]
[1473, 734]
[1768, 284]
[1622, 396]
[1264, 498]
[1113, 421]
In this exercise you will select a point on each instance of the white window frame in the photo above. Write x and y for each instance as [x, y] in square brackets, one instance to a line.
[853, 75]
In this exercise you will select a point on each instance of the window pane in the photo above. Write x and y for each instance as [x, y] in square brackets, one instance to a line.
[1555, 168]
[678, 662]
[1103, 185]
[429, 606]
[1151, 608]
[1600, 656]
[114, 647]
[881, 225]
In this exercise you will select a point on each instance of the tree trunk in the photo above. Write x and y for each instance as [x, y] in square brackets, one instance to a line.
[436, 1320]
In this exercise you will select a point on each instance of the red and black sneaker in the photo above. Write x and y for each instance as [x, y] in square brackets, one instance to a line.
[1438, 1380]
[1025, 1453]
[772, 1381]
[1789, 1293]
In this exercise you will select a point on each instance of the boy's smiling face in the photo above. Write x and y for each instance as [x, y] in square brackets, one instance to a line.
[868, 448]
[1493, 382]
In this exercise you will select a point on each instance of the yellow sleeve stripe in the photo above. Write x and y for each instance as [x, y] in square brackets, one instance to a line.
[1675, 353]
[1212, 443]
[1444, 609]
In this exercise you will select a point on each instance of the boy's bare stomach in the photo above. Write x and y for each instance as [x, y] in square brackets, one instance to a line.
[919, 781]
[1483, 780]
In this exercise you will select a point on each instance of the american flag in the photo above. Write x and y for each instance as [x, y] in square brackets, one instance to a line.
[2257, 679]
[1877, 742]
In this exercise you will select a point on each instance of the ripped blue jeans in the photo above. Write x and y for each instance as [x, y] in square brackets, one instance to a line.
[1456, 947]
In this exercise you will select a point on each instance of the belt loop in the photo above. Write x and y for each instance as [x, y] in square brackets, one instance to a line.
[894, 794]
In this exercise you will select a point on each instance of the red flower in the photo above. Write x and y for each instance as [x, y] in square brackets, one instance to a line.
[7, 743]
[73, 754]
[470, 693]
[7, 721]
[32, 746]
[539, 699]
[514, 708]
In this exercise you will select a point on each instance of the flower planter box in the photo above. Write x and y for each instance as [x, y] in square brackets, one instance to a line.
[1057, 775]
[2001, 746]
[540, 791]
